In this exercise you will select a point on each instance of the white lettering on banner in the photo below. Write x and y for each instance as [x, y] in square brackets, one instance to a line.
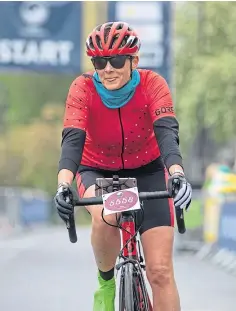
[5, 52]
[64, 52]
[24, 56]
[47, 52]
[228, 226]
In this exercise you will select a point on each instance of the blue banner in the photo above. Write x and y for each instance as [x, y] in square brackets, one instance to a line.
[153, 22]
[227, 226]
[40, 36]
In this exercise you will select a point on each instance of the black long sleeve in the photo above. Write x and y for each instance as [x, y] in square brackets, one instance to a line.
[72, 144]
[167, 134]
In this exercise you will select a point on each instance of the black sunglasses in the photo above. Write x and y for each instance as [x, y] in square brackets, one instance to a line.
[116, 62]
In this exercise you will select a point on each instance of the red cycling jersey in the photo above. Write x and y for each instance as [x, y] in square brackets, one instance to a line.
[121, 138]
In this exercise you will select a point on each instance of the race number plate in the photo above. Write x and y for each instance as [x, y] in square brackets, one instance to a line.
[121, 201]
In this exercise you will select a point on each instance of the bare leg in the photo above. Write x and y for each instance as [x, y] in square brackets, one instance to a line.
[158, 248]
[105, 239]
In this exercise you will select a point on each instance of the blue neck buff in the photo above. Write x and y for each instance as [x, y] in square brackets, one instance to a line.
[117, 98]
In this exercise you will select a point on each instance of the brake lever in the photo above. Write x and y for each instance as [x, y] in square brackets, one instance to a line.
[175, 186]
[73, 195]
[179, 212]
[70, 224]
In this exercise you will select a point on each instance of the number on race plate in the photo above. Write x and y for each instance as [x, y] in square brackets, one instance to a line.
[120, 201]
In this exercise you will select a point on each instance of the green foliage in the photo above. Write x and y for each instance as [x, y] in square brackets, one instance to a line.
[27, 93]
[205, 68]
[194, 217]
[30, 153]
[32, 107]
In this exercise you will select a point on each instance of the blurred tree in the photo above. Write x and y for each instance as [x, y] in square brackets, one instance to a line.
[29, 92]
[31, 155]
[205, 69]
[4, 106]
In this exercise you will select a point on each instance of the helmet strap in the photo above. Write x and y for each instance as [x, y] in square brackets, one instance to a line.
[131, 69]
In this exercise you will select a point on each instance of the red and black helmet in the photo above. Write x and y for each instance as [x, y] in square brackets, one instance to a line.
[114, 38]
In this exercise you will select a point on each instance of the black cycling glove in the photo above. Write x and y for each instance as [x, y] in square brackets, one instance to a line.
[64, 202]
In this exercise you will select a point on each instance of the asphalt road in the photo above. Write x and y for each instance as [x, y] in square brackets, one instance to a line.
[44, 271]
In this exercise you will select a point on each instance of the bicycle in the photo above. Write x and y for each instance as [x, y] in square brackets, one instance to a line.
[120, 195]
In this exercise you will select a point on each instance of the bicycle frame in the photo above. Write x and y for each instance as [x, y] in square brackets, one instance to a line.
[130, 251]
[128, 226]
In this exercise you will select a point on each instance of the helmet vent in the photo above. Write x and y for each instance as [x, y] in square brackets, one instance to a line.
[89, 44]
[98, 41]
[133, 43]
[98, 28]
[119, 26]
[113, 41]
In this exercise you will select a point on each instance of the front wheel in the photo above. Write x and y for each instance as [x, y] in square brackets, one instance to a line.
[126, 298]
[133, 294]
[142, 301]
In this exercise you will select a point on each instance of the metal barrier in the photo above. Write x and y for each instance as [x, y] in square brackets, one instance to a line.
[22, 208]
[227, 224]
[220, 233]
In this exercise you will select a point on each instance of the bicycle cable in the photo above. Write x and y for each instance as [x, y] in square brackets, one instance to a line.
[120, 227]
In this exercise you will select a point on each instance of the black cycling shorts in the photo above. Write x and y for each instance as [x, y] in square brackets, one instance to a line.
[151, 177]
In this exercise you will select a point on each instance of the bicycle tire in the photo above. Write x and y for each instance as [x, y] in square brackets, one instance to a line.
[122, 292]
[141, 301]
[126, 297]
[133, 295]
